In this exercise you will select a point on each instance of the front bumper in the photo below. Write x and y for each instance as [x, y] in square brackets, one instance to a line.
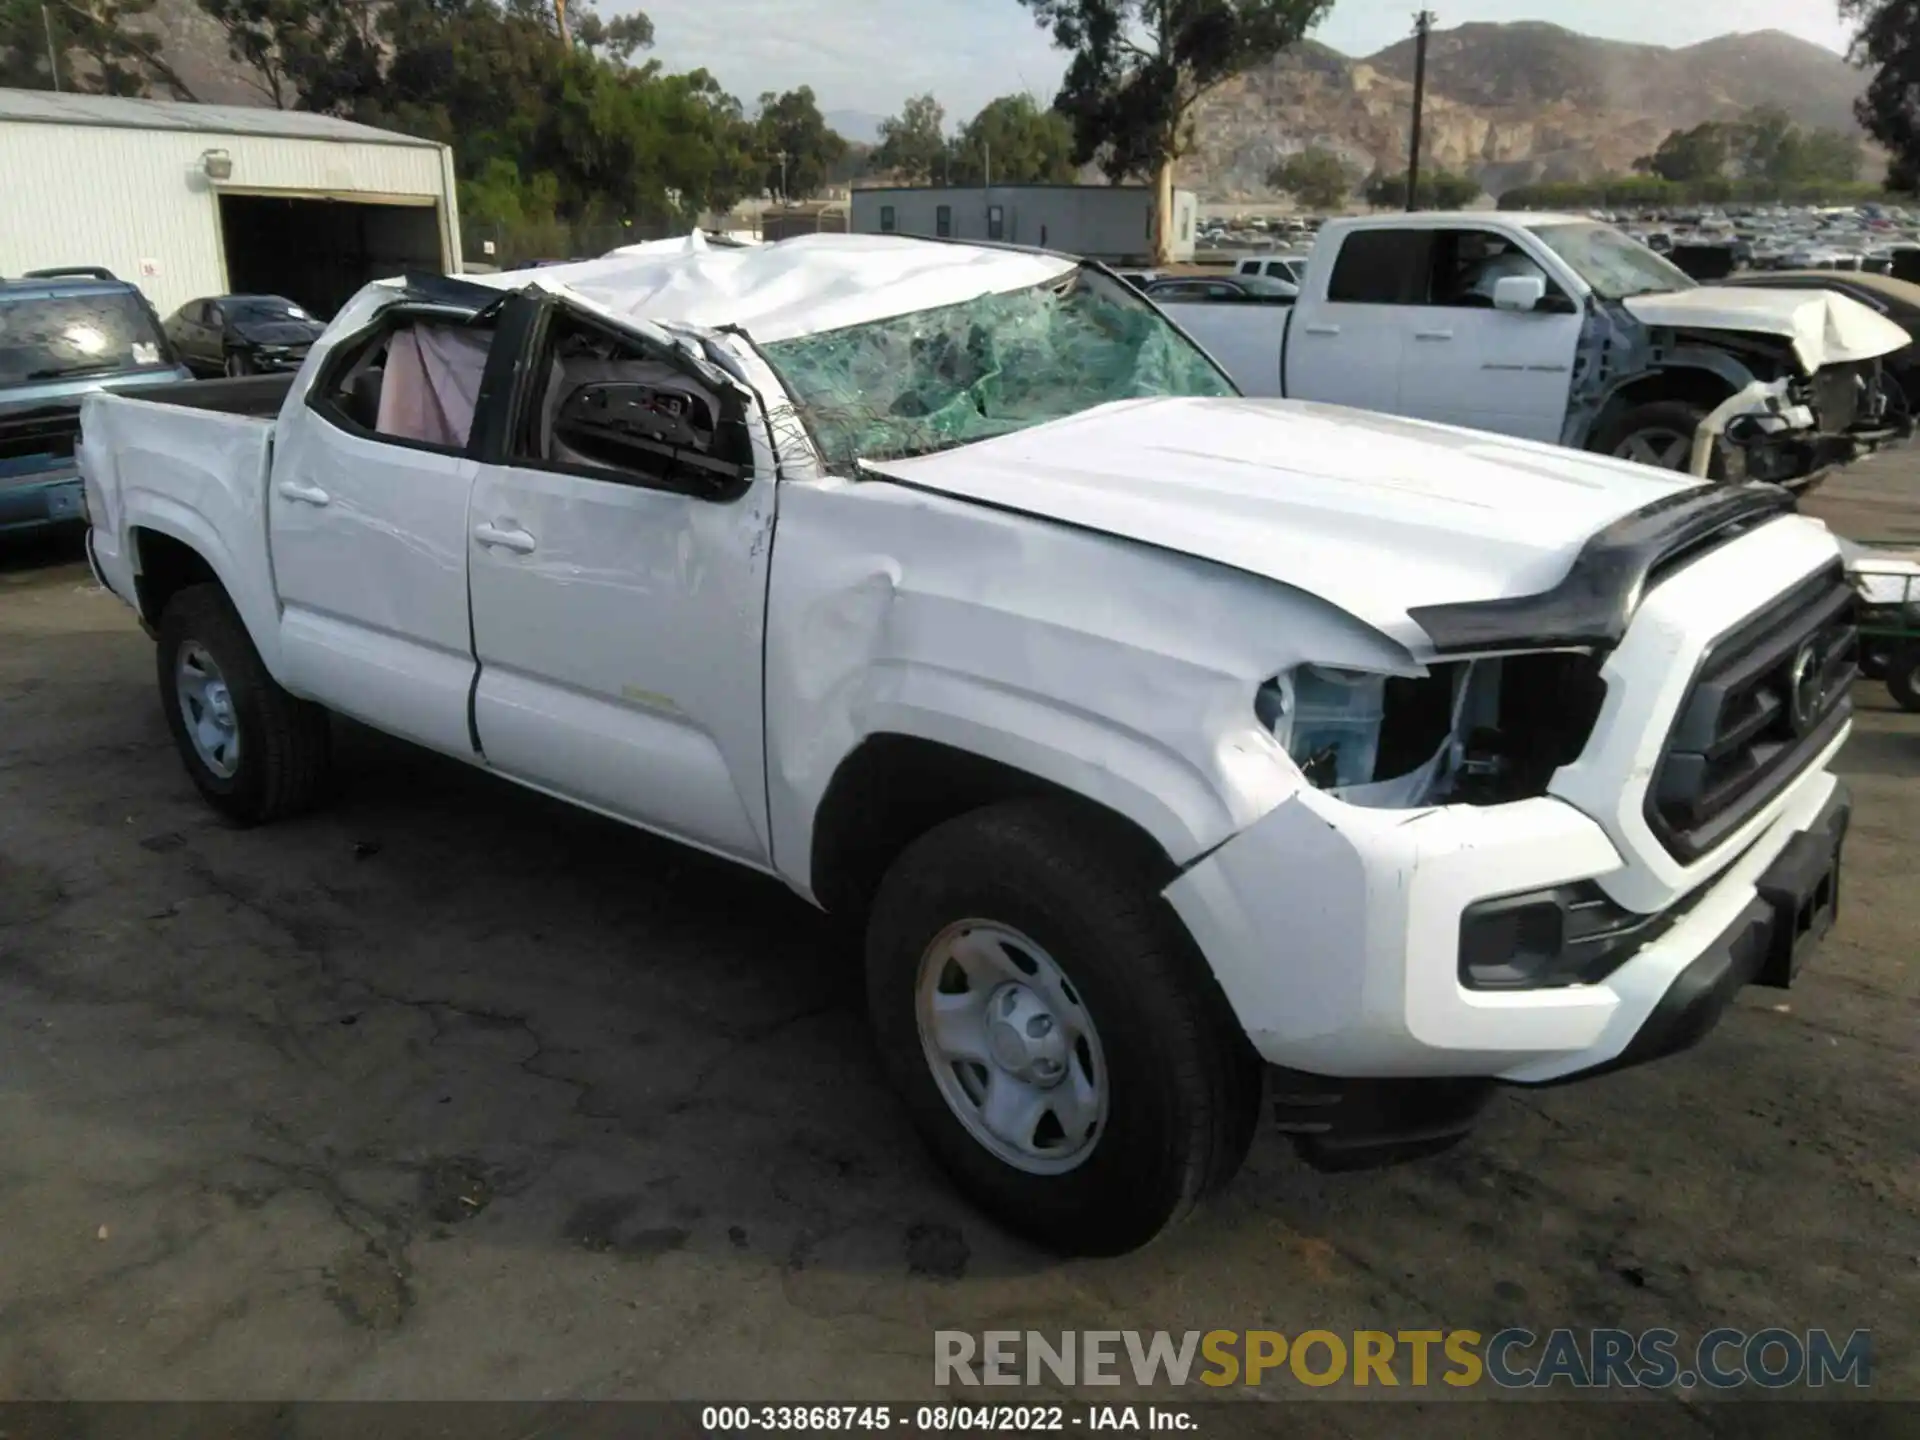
[1335, 933]
[1801, 460]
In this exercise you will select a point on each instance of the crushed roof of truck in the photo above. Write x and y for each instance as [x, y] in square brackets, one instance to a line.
[808, 285]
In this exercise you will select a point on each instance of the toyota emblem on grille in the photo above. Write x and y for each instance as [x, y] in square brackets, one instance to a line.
[1805, 692]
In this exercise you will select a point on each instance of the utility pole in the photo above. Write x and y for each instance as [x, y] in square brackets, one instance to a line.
[782, 158]
[986, 162]
[1422, 27]
[53, 56]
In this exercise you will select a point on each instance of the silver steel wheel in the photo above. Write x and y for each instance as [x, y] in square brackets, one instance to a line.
[1011, 1047]
[1667, 449]
[207, 706]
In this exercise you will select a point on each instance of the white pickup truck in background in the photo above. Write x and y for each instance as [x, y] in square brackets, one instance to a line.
[1171, 744]
[1561, 329]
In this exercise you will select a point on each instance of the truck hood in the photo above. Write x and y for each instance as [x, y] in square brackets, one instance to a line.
[1826, 328]
[1371, 513]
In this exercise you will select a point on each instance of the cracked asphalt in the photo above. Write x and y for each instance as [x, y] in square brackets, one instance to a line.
[451, 1092]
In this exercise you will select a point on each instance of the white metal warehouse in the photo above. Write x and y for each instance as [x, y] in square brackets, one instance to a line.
[189, 200]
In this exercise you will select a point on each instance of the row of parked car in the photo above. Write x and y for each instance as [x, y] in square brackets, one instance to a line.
[68, 331]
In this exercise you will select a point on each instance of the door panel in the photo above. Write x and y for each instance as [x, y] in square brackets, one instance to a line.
[1347, 355]
[1347, 337]
[1490, 370]
[1467, 363]
[619, 632]
[369, 543]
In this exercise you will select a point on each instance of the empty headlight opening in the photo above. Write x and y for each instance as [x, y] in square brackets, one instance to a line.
[1483, 731]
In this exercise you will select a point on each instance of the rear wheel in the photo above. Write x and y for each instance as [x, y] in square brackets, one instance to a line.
[254, 751]
[1055, 1036]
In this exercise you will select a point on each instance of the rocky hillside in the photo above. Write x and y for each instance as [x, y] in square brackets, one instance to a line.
[1509, 103]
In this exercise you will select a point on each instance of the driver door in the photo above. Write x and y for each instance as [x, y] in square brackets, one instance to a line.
[617, 553]
[1466, 363]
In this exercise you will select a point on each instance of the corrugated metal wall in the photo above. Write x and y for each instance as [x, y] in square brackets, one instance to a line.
[1105, 222]
[137, 202]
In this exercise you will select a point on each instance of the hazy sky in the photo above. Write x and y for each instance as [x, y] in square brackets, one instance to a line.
[872, 54]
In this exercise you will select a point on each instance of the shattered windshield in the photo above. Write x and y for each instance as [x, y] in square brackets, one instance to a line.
[1614, 264]
[939, 378]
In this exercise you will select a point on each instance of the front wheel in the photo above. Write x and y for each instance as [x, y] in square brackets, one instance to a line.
[1057, 1040]
[1659, 434]
[239, 363]
[1903, 677]
[255, 752]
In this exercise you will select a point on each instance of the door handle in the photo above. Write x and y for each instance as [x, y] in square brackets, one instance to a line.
[1322, 329]
[305, 494]
[518, 541]
[1433, 334]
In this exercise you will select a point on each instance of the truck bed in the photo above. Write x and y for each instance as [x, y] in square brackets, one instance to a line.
[245, 395]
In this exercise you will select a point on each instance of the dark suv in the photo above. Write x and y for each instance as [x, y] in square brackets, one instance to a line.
[64, 334]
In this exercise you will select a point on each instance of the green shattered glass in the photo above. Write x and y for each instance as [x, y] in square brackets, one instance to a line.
[918, 383]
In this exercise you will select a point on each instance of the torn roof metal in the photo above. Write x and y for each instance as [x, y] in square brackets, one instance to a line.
[803, 286]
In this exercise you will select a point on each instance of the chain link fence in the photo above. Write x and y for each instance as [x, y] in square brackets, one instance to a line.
[515, 247]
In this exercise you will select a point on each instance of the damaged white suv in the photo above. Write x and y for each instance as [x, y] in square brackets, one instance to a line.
[1172, 744]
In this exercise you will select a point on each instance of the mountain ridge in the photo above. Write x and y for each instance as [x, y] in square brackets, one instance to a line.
[1510, 103]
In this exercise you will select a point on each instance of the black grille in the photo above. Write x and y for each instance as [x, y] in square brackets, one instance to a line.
[1768, 699]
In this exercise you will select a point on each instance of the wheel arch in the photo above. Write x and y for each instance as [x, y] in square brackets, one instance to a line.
[174, 548]
[1693, 375]
[894, 787]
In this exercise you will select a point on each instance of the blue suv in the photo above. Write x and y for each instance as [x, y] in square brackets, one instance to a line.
[63, 334]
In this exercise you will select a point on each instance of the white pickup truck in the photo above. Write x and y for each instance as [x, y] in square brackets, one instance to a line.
[1170, 743]
[1561, 329]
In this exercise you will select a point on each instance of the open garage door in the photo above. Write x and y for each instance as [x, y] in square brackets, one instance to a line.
[319, 252]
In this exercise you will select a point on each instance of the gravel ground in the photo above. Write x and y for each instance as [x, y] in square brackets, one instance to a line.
[449, 1091]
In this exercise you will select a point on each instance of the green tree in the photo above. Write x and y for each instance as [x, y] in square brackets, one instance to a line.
[1828, 156]
[913, 144]
[304, 54]
[1767, 144]
[1317, 179]
[856, 161]
[106, 47]
[1691, 155]
[548, 133]
[1888, 42]
[1017, 141]
[1139, 67]
[796, 147]
[1439, 190]
[617, 38]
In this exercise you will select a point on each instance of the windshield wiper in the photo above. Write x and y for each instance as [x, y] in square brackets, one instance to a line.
[63, 372]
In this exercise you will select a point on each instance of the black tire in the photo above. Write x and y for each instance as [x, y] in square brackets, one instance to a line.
[284, 742]
[1183, 1084]
[1903, 678]
[239, 363]
[1660, 418]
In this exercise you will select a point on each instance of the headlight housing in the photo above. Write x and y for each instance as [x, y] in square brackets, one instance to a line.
[1329, 721]
[1479, 732]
